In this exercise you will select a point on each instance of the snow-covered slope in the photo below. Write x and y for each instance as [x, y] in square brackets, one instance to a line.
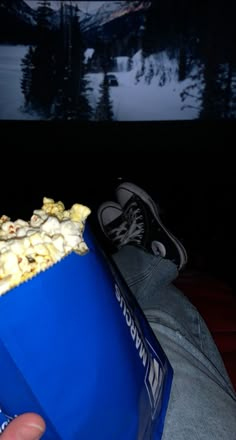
[148, 89]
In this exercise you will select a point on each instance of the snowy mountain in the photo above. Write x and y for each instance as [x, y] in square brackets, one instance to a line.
[17, 21]
[17, 17]
[110, 11]
[18, 10]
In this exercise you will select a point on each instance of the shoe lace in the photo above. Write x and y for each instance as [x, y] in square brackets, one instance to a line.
[135, 223]
[117, 233]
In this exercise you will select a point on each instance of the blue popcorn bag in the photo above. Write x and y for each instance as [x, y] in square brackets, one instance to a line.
[76, 348]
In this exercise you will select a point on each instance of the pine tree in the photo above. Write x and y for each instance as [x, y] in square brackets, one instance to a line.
[219, 93]
[27, 73]
[230, 91]
[44, 60]
[140, 72]
[71, 101]
[62, 16]
[129, 64]
[150, 73]
[44, 14]
[81, 108]
[104, 107]
[182, 61]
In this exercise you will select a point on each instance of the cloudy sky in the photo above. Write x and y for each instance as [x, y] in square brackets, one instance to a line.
[88, 6]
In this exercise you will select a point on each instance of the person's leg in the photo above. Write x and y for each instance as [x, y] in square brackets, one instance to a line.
[149, 278]
[149, 275]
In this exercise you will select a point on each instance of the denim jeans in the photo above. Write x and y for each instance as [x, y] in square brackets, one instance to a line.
[203, 402]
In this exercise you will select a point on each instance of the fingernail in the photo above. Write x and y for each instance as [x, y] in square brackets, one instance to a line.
[31, 431]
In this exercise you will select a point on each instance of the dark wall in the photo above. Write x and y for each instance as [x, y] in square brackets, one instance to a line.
[187, 167]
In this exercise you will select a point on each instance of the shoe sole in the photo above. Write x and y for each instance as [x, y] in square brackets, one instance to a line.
[152, 205]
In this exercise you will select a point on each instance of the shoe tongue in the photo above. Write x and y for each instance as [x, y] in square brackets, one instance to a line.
[115, 223]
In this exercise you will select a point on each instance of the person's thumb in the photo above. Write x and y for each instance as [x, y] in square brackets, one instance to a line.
[25, 427]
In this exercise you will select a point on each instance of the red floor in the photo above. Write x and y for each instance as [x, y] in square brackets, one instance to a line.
[217, 304]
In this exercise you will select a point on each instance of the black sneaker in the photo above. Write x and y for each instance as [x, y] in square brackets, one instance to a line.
[113, 223]
[145, 227]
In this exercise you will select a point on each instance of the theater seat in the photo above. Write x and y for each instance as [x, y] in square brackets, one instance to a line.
[216, 302]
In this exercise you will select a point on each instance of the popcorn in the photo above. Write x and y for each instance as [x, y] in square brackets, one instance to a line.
[26, 248]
